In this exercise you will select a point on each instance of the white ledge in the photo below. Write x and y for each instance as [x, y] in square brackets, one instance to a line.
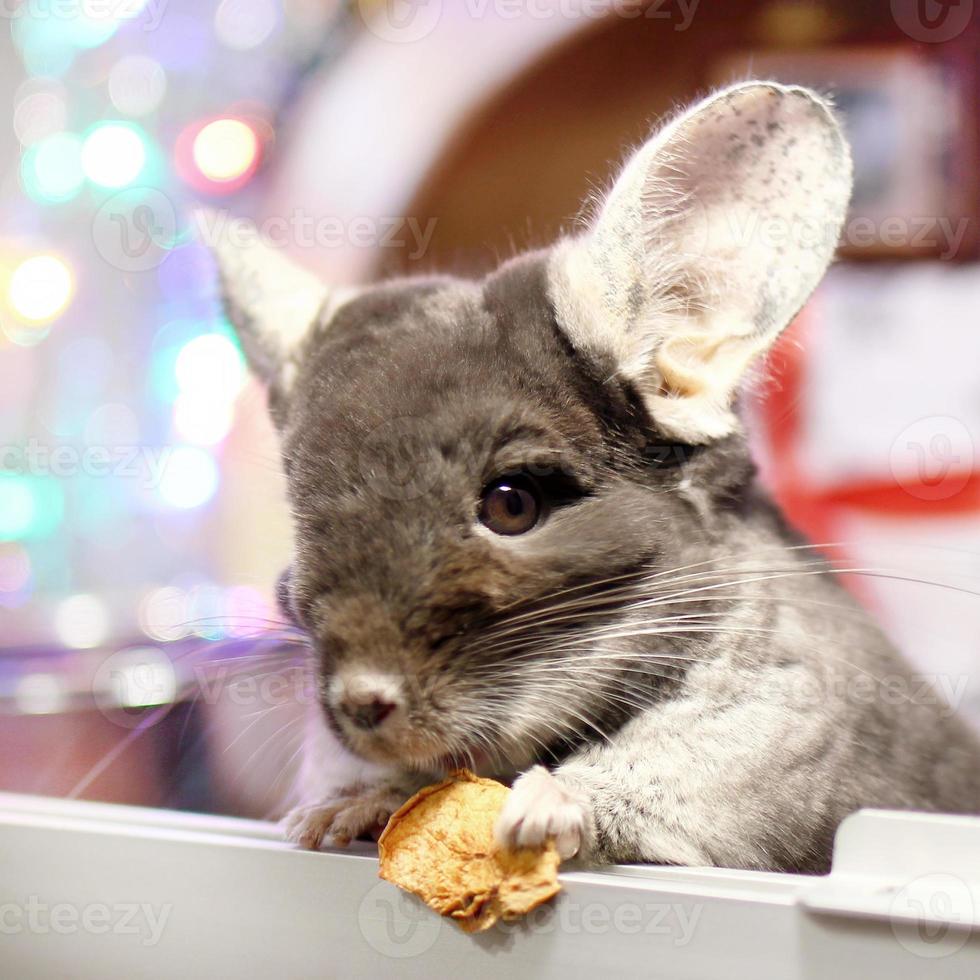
[95, 890]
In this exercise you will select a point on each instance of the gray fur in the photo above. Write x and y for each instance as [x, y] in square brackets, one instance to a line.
[694, 682]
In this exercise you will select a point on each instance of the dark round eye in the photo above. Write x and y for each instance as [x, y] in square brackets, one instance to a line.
[510, 506]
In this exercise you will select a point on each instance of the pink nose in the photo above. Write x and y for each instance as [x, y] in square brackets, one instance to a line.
[367, 714]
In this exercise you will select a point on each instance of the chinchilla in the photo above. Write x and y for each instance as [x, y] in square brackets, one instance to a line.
[529, 537]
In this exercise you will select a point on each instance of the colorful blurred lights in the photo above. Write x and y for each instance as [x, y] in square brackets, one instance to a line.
[30, 506]
[51, 170]
[225, 150]
[113, 154]
[40, 694]
[137, 85]
[163, 613]
[81, 621]
[202, 419]
[17, 507]
[40, 288]
[190, 478]
[15, 568]
[211, 365]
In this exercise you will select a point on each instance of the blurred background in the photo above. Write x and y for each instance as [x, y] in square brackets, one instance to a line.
[142, 521]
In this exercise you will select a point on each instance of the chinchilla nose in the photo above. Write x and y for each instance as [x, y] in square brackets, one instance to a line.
[368, 715]
[366, 700]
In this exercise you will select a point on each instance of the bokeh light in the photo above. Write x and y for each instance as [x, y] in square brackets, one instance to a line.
[15, 568]
[226, 150]
[17, 508]
[211, 364]
[82, 621]
[30, 506]
[202, 419]
[40, 694]
[40, 109]
[247, 611]
[136, 678]
[51, 170]
[245, 24]
[40, 288]
[137, 85]
[114, 154]
[190, 478]
[112, 424]
[163, 613]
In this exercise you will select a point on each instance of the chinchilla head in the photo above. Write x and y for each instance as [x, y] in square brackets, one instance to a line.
[485, 476]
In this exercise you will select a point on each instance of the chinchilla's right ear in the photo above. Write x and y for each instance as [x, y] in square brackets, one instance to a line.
[273, 303]
[708, 244]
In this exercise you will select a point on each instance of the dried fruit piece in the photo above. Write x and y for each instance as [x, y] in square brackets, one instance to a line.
[440, 846]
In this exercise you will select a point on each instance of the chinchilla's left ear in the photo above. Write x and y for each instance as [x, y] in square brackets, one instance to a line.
[273, 303]
[708, 244]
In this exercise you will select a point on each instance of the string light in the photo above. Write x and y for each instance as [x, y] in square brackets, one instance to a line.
[211, 364]
[225, 150]
[137, 85]
[40, 694]
[15, 568]
[163, 614]
[40, 288]
[245, 24]
[51, 170]
[40, 110]
[202, 419]
[30, 506]
[190, 478]
[81, 621]
[17, 507]
[113, 154]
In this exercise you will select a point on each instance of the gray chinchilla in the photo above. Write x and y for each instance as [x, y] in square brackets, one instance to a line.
[529, 537]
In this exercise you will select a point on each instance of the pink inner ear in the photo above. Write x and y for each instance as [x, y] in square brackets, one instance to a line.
[709, 243]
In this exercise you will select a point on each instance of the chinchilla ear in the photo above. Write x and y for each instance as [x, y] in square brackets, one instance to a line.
[710, 241]
[273, 303]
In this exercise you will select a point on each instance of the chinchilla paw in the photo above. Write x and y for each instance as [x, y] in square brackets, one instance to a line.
[541, 806]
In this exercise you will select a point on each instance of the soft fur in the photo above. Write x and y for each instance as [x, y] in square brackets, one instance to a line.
[663, 669]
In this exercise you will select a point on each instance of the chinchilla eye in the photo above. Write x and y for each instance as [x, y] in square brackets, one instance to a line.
[511, 505]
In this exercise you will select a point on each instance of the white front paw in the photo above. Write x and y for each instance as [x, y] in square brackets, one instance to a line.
[541, 806]
[352, 813]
